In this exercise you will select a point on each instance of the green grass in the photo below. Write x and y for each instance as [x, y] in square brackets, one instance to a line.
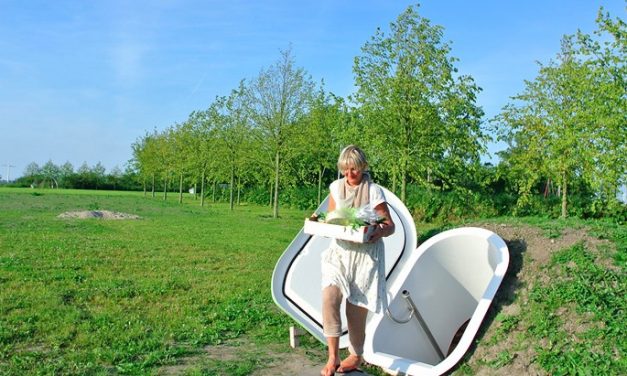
[593, 294]
[95, 296]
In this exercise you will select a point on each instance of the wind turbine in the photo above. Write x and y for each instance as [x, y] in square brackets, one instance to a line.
[8, 166]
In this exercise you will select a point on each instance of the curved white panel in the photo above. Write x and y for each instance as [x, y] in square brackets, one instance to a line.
[452, 279]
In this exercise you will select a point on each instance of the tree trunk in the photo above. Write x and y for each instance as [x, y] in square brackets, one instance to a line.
[394, 182]
[271, 191]
[564, 195]
[239, 188]
[153, 185]
[213, 197]
[275, 212]
[202, 188]
[144, 186]
[181, 188]
[320, 175]
[404, 182]
[165, 189]
[231, 193]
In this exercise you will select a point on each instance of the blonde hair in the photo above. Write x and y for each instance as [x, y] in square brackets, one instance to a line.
[352, 156]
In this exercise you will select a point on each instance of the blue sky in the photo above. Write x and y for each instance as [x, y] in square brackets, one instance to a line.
[82, 80]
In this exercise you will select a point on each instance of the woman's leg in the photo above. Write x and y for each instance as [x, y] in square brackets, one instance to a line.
[356, 320]
[332, 327]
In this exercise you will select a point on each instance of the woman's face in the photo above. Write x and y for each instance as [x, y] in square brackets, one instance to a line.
[353, 175]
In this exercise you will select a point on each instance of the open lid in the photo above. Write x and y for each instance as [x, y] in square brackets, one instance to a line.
[437, 300]
[296, 281]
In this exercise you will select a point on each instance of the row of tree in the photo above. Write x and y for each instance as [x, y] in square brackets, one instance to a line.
[413, 113]
[51, 175]
[417, 117]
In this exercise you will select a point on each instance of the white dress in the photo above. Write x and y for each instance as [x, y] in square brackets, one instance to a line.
[357, 269]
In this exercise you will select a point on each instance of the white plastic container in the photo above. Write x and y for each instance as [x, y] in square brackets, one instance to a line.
[452, 279]
[358, 235]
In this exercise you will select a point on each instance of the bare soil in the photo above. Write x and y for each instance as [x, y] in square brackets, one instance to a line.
[101, 214]
[278, 360]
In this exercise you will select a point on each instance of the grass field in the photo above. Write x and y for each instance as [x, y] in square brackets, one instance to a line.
[100, 297]
[135, 296]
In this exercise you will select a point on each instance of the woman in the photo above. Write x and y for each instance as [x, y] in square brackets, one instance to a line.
[354, 271]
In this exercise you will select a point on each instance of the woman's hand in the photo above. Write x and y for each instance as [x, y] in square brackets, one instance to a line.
[377, 233]
[386, 227]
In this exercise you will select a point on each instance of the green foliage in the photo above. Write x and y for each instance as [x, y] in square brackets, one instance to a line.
[304, 197]
[568, 124]
[295, 197]
[53, 176]
[430, 205]
[420, 115]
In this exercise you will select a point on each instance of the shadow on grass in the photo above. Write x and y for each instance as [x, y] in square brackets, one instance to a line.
[505, 295]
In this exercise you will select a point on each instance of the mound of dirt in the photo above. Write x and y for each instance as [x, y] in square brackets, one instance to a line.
[102, 214]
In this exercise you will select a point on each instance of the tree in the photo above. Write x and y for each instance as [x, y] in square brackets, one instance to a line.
[322, 137]
[278, 98]
[234, 134]
[66, 172]
[145, 159]
[164, 150]
[32, 170]
[204, 146]
[83, 169]
[568, 124]
[606, 57]
[98, 173]
[51, 172]
[115, 176]
[420, 116]
[179, 137]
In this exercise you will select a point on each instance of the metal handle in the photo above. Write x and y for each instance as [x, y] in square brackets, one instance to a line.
[413, 312]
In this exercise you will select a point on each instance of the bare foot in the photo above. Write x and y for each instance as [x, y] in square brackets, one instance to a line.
[329, 368]
[350, 363]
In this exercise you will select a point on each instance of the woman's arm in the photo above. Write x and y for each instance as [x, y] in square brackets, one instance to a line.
[386, 227]
[330, 208]
[331, 205]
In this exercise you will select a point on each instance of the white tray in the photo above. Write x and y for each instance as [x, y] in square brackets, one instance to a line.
[327, 230]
